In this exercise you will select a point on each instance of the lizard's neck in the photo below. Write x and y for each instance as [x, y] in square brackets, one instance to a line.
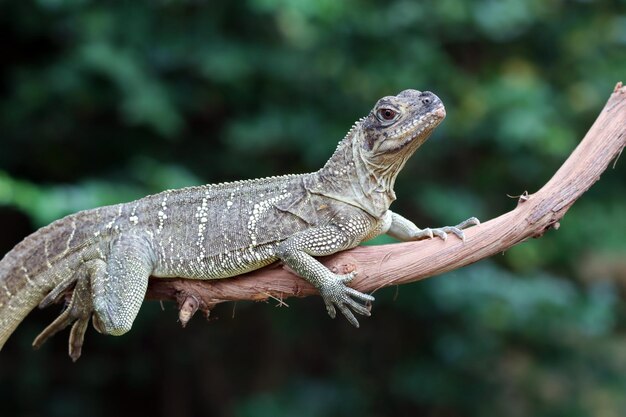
[349, 177]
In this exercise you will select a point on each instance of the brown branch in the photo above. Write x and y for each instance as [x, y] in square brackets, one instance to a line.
[401, 263]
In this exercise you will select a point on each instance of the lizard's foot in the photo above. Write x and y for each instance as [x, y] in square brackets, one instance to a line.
[442, 232]
[78, 312]
[336, 293]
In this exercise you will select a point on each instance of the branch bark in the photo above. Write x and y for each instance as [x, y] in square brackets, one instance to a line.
[401, 263]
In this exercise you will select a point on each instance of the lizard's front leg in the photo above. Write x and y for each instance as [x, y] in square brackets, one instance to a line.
[119, 285]
[297, 252]
[405, 230]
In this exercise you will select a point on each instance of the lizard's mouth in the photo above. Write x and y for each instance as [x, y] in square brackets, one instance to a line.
[440, 112]
[419, 129]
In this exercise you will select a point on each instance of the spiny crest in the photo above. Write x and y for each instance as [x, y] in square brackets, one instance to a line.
[353, 129]
[236, 183]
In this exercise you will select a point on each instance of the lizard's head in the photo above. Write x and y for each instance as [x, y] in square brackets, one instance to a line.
[400, 124]
[377, 147]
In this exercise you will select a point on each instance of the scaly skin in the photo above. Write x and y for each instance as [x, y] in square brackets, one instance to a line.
[215, 231]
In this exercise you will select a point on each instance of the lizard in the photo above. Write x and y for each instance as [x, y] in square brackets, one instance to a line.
[106, 255]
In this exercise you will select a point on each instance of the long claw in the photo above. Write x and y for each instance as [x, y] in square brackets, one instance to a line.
[458, 232]
[472, 221]
[56, 326]
[331, 309]
[77, 336]
[359, 295]
[424, 234]
[440, 233]
[348, 314]
[358, 308]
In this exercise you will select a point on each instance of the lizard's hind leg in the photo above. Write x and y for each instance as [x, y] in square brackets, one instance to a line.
[111, 291]
[78, 311]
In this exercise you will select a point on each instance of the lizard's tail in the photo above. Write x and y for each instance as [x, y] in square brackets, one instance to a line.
[14, 307]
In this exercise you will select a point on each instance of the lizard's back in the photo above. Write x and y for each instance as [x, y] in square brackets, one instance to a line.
[223, 230]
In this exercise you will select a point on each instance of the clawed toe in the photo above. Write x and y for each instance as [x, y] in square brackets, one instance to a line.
[53, 328]
[472, 221]
[77, 313]
[337, 295]
[442, 232]
[77, 336]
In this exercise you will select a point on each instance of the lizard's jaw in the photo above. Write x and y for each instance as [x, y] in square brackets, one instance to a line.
[417, 131]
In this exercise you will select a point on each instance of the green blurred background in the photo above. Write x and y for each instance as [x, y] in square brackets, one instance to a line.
[107, 101]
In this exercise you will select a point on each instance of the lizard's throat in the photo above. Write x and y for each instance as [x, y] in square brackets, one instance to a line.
[350, 176]
[378, 175]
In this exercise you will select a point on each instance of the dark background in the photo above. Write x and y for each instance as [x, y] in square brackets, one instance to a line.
[107, 101]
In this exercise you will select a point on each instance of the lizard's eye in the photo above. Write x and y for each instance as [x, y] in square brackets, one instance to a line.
[387, 114]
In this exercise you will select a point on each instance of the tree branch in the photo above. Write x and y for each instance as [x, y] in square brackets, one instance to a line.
[401, 263]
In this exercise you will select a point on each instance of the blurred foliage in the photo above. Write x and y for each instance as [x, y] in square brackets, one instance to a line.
[103, 102]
